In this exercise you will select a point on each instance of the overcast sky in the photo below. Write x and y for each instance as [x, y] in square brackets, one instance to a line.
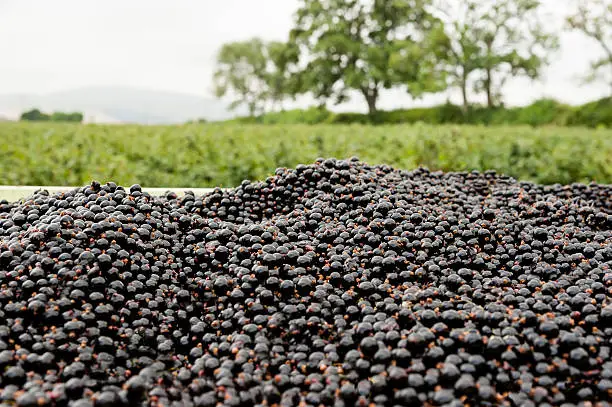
[170, 45]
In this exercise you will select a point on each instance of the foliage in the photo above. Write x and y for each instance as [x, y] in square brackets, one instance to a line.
[543, 112]
[446, 113]
[594, 19]
[36, 115]
[200, 120]
[67, 117]
[312, 115]
[354, 118]
[539, 113]
[204, 155]
[241, 71]
[594, 114]
[254, 72]
[281, 78]
[461, 42]
[340, 47]
[364, 46]
[490, 42]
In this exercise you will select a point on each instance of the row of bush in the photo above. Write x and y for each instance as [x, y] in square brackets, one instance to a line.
[36, 115]
[540, 113]
[222, 154]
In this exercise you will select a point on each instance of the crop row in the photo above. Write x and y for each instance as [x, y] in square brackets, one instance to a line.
[225, 154]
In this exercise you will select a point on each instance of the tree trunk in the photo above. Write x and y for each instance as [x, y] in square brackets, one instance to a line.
[252, 109]
[488, 89]
[371, 97]
[610, 77]
[466, 103]
[609, 52]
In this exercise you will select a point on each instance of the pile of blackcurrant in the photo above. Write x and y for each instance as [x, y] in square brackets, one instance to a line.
[334, 284]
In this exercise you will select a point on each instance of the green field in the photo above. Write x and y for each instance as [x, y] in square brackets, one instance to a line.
[225, 154]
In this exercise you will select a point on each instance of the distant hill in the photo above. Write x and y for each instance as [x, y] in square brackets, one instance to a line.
[120, 105]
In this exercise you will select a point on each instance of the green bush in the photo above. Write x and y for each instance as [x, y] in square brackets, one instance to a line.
[449, 113]
[405, 116]
[540, 113]
[594, 114]
[313, 115]
[349, 118]
[220, 154]
[481, 115]
[36, 115]
[74, 117]
[543, 112]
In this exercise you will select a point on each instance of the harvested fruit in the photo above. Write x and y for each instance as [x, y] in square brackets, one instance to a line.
[336, 283]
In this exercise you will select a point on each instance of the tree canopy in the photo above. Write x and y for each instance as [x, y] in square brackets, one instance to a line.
[490, 42]
[339, 48]
[594, 19]
[241, 71]
[35, 115]
[254, 72]
[351, 45]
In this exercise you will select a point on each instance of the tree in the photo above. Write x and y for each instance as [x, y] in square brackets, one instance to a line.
[594, 19]
[74, 117]
[515, 43]
[359, 45]
[241, 72]
[281, 78]
[34, 115]
[460, 43]
[492, 41]
[255, 72]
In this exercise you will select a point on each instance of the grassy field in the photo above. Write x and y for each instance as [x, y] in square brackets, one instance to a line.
[225, 154]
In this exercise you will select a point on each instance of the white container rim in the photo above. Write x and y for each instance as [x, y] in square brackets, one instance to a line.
[14, 193]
